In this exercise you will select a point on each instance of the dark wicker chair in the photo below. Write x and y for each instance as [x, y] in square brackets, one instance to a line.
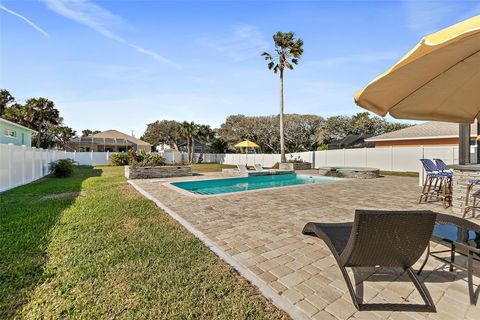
[391, 239]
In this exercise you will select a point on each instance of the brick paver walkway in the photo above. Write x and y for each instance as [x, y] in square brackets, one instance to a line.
[261, 233]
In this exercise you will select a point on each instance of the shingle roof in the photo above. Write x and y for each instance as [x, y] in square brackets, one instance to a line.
[120, 135]
[427, 130]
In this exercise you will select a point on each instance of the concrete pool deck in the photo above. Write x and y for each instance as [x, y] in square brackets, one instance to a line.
[259, 234]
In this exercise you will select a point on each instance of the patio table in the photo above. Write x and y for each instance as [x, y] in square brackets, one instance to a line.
[462, 237]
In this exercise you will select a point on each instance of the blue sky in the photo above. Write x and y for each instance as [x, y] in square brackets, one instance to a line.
[123, 64]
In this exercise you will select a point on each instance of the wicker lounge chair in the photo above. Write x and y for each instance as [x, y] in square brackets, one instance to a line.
[390, 239]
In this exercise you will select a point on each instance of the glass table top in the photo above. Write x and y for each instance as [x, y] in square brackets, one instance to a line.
[454, 233]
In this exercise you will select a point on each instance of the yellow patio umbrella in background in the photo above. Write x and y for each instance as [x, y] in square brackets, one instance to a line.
[438, 80]
[246, 144]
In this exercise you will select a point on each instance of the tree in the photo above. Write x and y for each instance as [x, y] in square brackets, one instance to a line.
[88, 132]
[162, 132]
[189, 130]
[38, 114]
[62, 135]
[287, 52]
[302, 132]
[205, 134]
[5, 99]
[219, 146]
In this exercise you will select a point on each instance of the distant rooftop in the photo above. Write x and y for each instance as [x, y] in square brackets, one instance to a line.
[427, 130]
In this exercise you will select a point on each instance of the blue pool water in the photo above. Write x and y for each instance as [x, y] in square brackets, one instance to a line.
[219, 186]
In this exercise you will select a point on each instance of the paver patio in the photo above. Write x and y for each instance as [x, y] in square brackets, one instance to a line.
[259, 233]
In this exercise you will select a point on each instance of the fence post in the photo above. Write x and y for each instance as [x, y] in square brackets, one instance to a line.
[421, 171]
[391, 158]
[10, 165]
[108, 155]
[24, 164]
[313, 159]
[33, 163]
[41, 163]
[91, 157]
[344, 157]
[366, 156]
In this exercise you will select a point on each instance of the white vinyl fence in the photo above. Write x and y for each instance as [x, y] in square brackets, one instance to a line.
[21, 165]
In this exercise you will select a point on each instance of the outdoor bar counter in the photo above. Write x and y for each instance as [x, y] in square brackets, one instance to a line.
[461, 175]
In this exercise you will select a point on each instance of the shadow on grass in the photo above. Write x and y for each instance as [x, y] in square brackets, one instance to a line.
[27, 216]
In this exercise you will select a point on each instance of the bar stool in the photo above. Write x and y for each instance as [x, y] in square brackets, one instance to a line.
[475, 197]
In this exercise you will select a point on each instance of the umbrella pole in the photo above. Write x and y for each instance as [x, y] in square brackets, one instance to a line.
[464, 144]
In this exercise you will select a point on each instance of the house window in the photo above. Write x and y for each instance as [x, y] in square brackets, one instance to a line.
[10, 133]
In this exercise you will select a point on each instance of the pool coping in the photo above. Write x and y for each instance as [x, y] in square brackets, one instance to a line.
[204, 196]
[279, 301]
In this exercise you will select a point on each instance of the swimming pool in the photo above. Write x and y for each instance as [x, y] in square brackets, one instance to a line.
[221, 186]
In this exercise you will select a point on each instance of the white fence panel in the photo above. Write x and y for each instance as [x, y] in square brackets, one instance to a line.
[356, 157]
[335, 158]
[406, 159]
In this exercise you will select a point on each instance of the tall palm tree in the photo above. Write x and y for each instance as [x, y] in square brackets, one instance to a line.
[189, 130]
[205, 134]
[287, 52]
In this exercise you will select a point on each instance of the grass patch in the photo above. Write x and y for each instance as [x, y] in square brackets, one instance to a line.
[398, 173]
[91, 247]
[210, 167]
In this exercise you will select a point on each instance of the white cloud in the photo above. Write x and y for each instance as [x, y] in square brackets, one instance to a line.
[2, 7]
[100, 20]
[240, 44]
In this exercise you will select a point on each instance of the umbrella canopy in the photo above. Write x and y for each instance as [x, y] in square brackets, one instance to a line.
[439, 79]
[246, 144]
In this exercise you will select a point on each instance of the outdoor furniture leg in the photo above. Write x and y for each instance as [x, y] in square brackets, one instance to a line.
[470, 278]
[424, 189]
[425, 260]
[452, 257]
[467, 197]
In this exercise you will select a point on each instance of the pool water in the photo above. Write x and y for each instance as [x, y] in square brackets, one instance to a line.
[220, 186]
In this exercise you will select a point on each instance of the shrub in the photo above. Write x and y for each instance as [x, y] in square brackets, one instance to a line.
[153, 160]
[62, 168]
[119, 159]
[143, 159]
[276, 165]
[322, 147]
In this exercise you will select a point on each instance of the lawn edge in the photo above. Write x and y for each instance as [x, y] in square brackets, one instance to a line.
[268, 292]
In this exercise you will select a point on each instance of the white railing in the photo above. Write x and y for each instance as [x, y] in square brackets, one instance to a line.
[20, 165]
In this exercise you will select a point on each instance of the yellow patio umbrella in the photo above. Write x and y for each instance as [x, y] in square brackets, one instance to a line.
[439, 79]
[246, 144]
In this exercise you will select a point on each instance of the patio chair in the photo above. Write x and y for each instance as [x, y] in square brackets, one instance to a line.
[389, 239]
[258, 167]
[442, 166]
[437, 184]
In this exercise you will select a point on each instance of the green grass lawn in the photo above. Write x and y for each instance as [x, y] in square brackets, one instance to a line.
[91, 247]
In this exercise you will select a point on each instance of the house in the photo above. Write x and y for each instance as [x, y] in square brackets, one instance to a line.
[11, 132]
[431, 133]
[110, 140]
[351, 141]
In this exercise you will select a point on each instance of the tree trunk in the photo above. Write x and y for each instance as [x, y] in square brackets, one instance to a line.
[283, 158]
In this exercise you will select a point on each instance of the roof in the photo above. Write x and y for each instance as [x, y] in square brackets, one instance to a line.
[115, 134]
[17, 125]
[427, 130]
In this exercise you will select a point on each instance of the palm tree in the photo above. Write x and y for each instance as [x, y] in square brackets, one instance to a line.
[188, 130]
[287, 52]
[205, 134]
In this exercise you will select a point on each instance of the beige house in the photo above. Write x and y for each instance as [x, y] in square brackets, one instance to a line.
[431, 133]
[110, 140]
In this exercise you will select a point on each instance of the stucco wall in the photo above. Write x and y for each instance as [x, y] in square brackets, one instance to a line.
[418, 142]
[20, 134]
